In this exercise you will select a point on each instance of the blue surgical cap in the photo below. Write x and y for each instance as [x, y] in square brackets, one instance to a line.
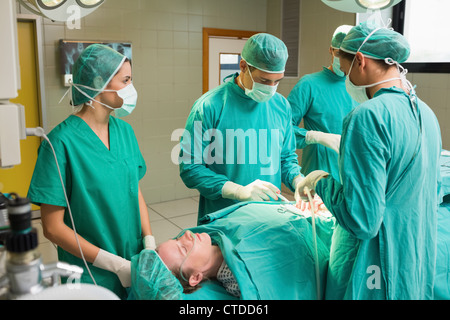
[383, 43]
[339, 35]
[94, 68]
[266, 53]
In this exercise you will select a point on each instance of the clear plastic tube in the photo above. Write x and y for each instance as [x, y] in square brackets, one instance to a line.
[314, 234]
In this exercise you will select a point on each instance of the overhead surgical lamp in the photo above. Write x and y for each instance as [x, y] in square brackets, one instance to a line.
[61, 10]
[360, 6]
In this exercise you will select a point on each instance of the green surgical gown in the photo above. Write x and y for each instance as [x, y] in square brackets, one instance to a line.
[230, 137]
[102, 187]
[321, 100]
[387, 199]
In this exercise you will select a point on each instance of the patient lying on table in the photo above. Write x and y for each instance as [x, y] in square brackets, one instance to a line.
[255, 250]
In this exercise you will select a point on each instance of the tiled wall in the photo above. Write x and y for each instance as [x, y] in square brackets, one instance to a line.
[167, 60]
[167, 68]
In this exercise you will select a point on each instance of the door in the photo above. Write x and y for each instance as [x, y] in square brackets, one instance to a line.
[221, 42]
[18, 179]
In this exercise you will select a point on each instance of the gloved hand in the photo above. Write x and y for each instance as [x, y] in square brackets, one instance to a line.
[149, 242]
[118, 265]
[310, 181]
[256, 191]
[329, 140]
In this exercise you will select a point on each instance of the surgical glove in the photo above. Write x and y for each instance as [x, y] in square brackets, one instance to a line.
[255, 191]
[329, 140]
[310, 181]
[118, 265]
[149, 242]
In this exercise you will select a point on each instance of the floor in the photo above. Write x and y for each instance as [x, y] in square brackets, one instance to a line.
[167, 219]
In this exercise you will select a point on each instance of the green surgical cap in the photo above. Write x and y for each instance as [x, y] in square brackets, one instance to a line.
[339, 36]
[382, 44]
[94, 68]
[266, 53]
[152, 280]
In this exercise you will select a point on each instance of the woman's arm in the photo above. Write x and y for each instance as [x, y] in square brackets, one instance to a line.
[60, 234]
[145, 220]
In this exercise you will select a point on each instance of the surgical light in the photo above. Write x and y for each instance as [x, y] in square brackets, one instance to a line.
[62, 10]
[360, 6]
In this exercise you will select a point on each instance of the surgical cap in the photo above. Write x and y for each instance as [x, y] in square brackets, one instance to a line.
[94, 68]
[266, 53]
[152, 280]
[384, 43]
[339, 36]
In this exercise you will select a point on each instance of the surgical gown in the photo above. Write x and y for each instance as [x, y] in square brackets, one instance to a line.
[230, 137]
[102, 187]
[388, 198]
[321, 100]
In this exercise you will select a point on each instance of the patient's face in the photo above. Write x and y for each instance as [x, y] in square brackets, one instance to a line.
[196, 257]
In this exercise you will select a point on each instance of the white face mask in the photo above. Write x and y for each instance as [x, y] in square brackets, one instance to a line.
[128, 94]
[359, 93]
[259, 92]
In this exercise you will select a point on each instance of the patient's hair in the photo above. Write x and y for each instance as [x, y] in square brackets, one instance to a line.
[187, 288]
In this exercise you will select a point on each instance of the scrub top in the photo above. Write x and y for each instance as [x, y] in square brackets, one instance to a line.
[230, 137]
[102, 187]
[388, 198]
[322, 101]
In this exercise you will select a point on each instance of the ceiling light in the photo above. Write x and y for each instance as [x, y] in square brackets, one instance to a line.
[360, 6]
[61, 10]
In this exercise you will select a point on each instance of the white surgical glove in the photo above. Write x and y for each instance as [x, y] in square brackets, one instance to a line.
[310, 181]
[329, 140]
[118, 265]
[256, 191]
[149, 242]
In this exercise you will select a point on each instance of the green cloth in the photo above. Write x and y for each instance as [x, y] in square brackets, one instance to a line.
[269, 251]
[208, 162]
[102, 186]
[321, 100]
[388, 196]
[442, 282]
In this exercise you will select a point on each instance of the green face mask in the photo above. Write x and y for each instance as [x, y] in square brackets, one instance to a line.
[337, 67]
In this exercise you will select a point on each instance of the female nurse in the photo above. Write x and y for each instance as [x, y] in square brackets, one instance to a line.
[389, 166]
[101, 165]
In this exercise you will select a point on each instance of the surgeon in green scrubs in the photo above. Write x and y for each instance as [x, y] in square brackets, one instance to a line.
[101, 165]
[321, 101]
[239, 144]
[388, 195]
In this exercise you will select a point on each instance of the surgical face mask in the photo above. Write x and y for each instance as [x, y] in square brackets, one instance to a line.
[128, 94]
[359, 93]
[259, 92]
[337, 67]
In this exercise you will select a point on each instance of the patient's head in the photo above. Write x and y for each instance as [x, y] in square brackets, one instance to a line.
[191, 257]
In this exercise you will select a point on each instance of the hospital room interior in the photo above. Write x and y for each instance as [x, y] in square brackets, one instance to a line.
[180, 52]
